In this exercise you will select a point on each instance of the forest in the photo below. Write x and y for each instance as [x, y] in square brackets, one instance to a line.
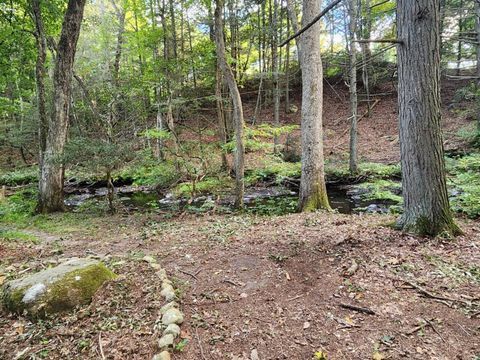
[240, 179]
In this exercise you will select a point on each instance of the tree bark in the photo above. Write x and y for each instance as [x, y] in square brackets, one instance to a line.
[426, 206]
[222, 131]
[275, 70]
[52, 171]
[352, 10]
[118, 50]
[477, 30]
[459, 44]
[366, 53]
[313, 191]
[40, 74]
[237, 105]
[292, 14]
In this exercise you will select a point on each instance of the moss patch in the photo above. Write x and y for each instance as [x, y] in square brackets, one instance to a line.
[58, 289]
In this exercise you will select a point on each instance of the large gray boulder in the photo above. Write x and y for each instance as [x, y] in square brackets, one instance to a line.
[57, 289]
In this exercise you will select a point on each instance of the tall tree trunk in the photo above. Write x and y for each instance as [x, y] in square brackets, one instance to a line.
[352, 10]
[366, 53]
[174, 29]
[52, 171]
[237, 105]
[158, 150]
[460, 34]
[477, 31]
[222, 131]
[287, 71]
[275, 70]
[292, 14]
[192, 60]
[118, 50]
[40, 74]
[426, 207]
[313, 191]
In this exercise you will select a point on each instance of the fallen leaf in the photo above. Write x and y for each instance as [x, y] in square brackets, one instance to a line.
[378, 356]
[349, 321]
[320, 355]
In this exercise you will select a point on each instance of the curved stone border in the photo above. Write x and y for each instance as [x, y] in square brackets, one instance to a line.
[171, 316]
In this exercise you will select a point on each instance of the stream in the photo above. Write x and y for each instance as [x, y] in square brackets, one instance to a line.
[345, 199]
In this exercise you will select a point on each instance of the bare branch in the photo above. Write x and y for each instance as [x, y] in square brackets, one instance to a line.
[309, 25]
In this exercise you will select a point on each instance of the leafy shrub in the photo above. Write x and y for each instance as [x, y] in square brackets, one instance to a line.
[23, 176]
[19, 207]
[206, 186]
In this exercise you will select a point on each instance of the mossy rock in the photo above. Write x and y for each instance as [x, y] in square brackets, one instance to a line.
[57, 289]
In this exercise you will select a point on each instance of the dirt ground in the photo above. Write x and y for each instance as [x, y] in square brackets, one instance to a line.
[276, 285]
[280, 285]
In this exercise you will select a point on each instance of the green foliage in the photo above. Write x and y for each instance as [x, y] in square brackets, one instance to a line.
[254, 137]
[465, 177]
[281, 205]
[273, 168]
[369, 171]
[97, 154]
[17, 235]
[471, 134]
[150, 172]
[157, 134]
[20, 176]
[19, 207]
[205, 186]
[382, 190]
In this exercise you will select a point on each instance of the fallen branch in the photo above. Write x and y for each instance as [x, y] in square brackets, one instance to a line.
[358, 309]
[430, 295]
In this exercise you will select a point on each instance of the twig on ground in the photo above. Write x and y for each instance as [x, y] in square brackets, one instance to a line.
[200, 344]
[189, 273]
[228, 281]
[434, 329]
[430, 295]
[100, 345]
[295, 297]
[358, 309]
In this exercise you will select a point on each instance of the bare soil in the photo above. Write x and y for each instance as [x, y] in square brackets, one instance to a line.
[272, 284]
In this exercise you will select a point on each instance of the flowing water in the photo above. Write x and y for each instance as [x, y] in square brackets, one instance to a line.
[346, 199]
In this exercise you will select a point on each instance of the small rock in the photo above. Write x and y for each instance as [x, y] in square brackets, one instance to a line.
[166, 282]
[168, 293]
[168, 306]
[172, 316]
[254, 355]
[149, 259]
[155, 266]
[306, 325]
[243, 295]
[172, 329]
[166, 341]
[164, 355]
[162, 274]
